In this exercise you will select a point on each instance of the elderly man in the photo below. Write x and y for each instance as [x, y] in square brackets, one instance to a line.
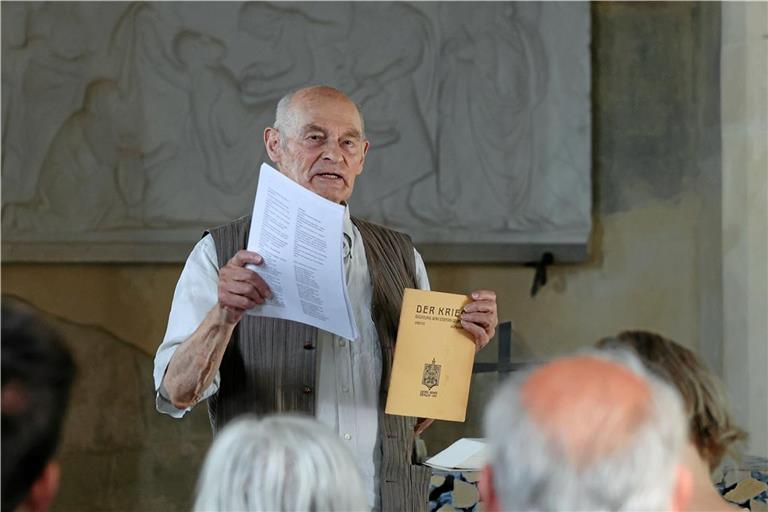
[587, 432]
[254, 364]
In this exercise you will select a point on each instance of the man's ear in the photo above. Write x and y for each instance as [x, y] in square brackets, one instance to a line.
[44, 489]
[487, 491]
[682, 491]
[272, 143]
[366, 145]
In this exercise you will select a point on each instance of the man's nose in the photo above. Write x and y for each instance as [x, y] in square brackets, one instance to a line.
[332, 152]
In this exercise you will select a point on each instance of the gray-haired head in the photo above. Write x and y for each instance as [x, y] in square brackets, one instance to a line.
[592, 431]
[285, 115]
[279, 463]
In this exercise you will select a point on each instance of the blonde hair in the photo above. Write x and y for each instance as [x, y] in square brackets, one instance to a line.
[710, 426]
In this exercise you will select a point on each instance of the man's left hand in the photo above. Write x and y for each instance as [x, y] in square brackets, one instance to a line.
[479, 317]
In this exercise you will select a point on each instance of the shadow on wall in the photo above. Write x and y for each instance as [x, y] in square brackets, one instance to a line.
[117, 452]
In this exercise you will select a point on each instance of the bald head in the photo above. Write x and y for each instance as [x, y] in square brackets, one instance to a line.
[593, 431]
[286, 114]
[318, 141]
[558, 395]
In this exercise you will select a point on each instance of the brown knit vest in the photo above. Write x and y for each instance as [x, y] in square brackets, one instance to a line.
[269, 365]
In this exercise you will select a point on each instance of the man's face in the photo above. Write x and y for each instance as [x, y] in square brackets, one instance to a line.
[322, 147]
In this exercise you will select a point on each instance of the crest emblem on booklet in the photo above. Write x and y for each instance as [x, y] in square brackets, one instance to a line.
[431, 376]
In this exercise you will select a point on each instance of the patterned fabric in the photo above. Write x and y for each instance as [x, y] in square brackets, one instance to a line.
[744, 483]
[454, 490]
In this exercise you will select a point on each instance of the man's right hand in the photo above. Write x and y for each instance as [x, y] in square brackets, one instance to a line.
[240, 288]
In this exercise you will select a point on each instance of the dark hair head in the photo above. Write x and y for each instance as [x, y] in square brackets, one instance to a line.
[710, 426]
[37, 374]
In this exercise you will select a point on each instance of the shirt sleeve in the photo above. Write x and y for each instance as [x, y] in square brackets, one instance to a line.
[196, 293]
[422, 279]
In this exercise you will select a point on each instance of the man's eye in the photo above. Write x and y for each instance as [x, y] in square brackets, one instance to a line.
[349, 143]
[315, 137]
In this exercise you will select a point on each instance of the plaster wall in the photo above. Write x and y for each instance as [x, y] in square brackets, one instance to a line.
[745, 214]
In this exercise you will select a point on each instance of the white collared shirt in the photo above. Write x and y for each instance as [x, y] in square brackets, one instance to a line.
[348, 372]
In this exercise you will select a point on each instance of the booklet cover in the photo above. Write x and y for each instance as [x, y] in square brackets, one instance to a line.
[432, 367]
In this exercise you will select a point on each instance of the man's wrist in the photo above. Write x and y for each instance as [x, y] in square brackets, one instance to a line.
[226, 317]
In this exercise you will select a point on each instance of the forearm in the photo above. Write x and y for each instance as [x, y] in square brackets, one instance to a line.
[193, 366]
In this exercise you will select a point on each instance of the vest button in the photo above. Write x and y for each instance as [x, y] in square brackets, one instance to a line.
[307, 390]
[309, 345]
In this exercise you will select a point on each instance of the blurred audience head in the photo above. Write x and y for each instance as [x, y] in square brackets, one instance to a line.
[710, 427]
[279, 463]
[37, 374]
[592, 431]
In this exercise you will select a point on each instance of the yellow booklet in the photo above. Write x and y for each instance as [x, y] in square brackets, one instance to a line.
[432, 367]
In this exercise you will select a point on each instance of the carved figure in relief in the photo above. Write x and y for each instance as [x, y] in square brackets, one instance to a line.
[490, 79]
[392, 79]
[91, 177]
[220, 124]
[14, 60]
[45, 56]
[223, 126]
[501, 62]
[283, 56]
[200, 143]
[292, 45]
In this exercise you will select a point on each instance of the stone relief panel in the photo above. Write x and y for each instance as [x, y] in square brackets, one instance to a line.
[130, 127]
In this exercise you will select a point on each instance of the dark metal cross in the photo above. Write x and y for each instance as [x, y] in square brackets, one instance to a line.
[504, 364]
